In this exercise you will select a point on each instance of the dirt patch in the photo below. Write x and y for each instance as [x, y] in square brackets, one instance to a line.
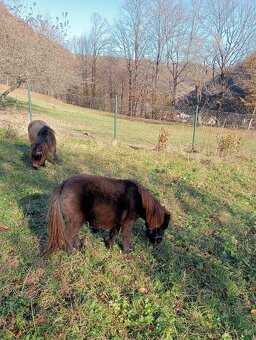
[82, 135]
[14, 120]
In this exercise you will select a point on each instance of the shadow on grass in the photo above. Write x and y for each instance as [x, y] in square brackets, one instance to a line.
[16, 150]
[12, 102]
[35, 209]
[30, 188]
[13, 149]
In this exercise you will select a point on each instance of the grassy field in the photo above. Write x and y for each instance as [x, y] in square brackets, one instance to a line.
[199, 283]
[79, 122]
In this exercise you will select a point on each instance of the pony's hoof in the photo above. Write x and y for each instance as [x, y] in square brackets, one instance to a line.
[127, 250]
[108, 244]
[72, 251]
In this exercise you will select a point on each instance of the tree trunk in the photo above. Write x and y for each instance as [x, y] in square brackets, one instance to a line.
[94, 65]
[130, 95]
[223, 83]
[174, 91]
[13, 87]
[155, 84]
[251, 120]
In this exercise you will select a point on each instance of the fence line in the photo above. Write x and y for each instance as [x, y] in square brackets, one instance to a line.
[177, 114]
[177, 123]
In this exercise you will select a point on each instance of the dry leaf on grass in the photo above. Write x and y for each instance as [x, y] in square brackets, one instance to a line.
[252, 289]
[143, 290]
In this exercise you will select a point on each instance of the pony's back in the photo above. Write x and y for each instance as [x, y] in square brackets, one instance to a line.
[43, 142]
[33, 130]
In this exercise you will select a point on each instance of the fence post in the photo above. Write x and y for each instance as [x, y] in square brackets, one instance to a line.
[29, 103]
[194, 129]
[115, 116]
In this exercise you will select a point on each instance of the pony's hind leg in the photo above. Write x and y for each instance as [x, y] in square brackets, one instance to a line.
[75, 220]
[75, 241]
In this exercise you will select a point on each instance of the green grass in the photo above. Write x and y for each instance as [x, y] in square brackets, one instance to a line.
[197, 284]
[135, 132]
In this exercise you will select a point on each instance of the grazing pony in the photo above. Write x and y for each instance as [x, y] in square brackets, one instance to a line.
[43, 143]
[104, 203]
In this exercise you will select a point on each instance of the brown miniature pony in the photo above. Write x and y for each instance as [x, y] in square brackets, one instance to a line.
[105, 203]
[43, 143]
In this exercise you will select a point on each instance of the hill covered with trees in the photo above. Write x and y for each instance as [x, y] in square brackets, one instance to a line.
[154, 55]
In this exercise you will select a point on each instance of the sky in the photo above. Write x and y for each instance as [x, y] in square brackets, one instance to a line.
[79, 11]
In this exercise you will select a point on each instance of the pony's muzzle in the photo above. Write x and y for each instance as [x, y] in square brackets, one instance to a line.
[157, 239]
[155, 236]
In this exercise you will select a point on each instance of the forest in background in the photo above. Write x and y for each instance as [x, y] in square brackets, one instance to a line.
[157, 53]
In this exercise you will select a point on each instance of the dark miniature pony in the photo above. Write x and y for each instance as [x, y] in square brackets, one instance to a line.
[105, 203]
[43, 143]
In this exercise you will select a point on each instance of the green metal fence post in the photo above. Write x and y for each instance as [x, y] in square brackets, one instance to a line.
[29, 103]
[115, 116]
[194, 129]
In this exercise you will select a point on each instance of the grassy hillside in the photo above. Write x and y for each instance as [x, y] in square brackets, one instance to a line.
[199, 283]
[79, 123]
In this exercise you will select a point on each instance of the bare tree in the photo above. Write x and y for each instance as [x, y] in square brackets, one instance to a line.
[99, 39]
[28, 55]
[130, 41]
[229, 31]
[56, 29]
[89, 48]
[181, 35]
[160, 18]
[14, 49]
[81, 48]
[249, 81]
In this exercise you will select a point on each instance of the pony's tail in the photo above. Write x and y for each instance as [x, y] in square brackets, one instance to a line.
[57, 238]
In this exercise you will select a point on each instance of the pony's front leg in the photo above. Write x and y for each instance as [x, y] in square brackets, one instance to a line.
[77, 243]
[126, 236]
[112, 237]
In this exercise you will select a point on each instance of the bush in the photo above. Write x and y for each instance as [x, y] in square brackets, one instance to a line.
[229, 145]
[162, 140]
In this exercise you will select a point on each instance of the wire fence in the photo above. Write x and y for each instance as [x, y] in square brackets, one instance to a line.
[177, 113]
[159, 127]
[214, 131]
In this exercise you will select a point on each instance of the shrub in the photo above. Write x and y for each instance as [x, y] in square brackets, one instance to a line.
[162, 140]
[229, 145]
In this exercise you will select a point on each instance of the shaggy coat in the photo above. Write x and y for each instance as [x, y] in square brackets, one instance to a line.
[43, 143]
[105, 203]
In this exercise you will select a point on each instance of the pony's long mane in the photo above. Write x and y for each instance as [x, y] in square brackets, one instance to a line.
[45, 150]
[154, 210]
